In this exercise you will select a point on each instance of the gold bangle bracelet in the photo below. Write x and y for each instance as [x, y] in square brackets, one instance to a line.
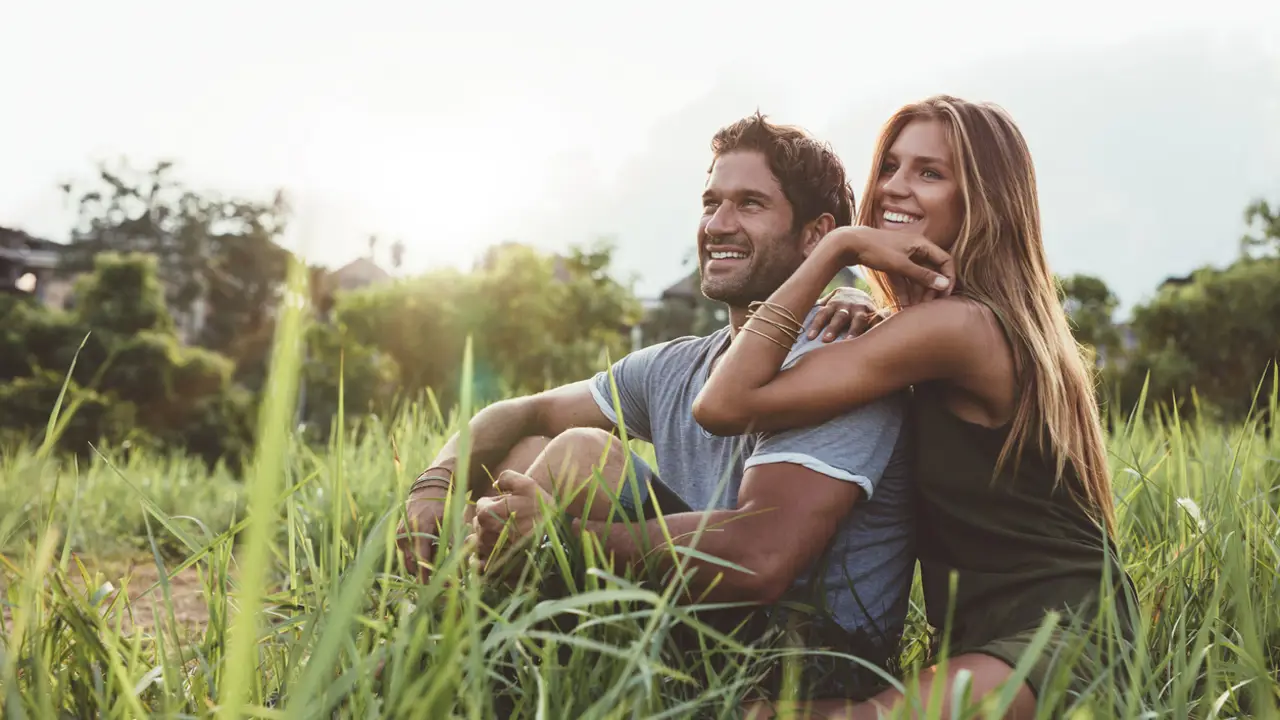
[792, 334]
[778, 311]
[770, 338]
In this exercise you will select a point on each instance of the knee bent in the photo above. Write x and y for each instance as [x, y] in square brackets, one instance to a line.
[578, 449]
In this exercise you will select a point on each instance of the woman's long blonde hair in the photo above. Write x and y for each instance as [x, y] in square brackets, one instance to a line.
[1000, 262]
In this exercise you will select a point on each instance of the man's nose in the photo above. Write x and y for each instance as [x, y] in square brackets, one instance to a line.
[724, 221]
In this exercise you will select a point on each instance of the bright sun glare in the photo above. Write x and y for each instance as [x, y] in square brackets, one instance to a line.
[443, 189]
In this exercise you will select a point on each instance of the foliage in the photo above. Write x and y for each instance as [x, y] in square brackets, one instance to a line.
[1207, 339]
[537, 321]
[342, 631]
[218, 258]
[1265, 239]
[133, 380]
[365, 376]
[1091, 306]
[26, 402]
[1217, 333]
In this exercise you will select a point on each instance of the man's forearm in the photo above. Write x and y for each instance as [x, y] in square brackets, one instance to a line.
[493, 432]
[644, 547]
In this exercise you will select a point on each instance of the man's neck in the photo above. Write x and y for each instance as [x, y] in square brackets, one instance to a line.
[737, 318]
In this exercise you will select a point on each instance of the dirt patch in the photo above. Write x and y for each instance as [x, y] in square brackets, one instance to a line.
[145, 602]
[190, 609]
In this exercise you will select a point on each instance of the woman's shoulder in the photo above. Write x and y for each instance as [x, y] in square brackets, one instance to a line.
[956, 322]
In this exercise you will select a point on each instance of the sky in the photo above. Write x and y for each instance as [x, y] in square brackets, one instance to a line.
[454, 126]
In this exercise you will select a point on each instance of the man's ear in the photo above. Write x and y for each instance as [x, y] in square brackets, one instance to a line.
[817, 229]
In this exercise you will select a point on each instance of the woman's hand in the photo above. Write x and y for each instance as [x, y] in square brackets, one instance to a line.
[900, 252]
[845, 309]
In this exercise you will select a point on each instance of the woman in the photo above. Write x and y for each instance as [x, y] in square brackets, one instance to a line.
[1015, 496]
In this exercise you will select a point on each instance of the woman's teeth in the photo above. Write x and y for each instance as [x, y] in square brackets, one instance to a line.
[899, 217]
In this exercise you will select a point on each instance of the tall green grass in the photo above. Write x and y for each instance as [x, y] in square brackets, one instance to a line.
[312, 615]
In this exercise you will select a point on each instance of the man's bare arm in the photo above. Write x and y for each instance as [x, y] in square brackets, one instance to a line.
[786, 516]
[497, 428]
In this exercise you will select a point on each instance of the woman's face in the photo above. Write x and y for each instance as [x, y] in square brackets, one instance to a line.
[918, 189]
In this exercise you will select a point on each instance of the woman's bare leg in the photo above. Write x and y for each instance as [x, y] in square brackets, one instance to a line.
[987, 674]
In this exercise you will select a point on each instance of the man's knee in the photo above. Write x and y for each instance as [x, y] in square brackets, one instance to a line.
[582, 440]
[523, 454]
[574, 453]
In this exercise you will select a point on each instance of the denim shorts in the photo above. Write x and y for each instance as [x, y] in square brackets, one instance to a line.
[644, 493]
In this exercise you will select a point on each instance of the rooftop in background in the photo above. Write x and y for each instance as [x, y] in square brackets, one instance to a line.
[359, 273]
[17, 246]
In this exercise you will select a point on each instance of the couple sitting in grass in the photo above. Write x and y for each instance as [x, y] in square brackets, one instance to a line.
[956, 426]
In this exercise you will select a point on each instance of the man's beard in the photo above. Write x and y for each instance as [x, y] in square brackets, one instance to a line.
[766, 273]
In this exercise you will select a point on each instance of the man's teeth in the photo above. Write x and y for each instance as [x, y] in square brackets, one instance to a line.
[727, 254]
[898, 217]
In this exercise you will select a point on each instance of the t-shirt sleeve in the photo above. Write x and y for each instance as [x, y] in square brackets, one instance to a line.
[855, 447]
[630, 377]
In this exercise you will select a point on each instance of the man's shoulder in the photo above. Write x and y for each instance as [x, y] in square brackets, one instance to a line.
[804, 344]
[888, 411]
[688, 350]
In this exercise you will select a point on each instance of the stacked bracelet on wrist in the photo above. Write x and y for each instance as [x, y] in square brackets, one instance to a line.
[784, 321]
[428, 479]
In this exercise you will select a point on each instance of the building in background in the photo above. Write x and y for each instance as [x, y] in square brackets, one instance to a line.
[31, 265]
[359, 273]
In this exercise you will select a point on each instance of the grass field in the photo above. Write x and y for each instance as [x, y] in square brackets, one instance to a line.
[143, 585]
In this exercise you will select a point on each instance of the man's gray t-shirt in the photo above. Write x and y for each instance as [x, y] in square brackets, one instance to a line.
[867, 569]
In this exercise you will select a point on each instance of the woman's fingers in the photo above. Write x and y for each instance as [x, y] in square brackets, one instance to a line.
[840, 321]
[820, 320]
[938, 271]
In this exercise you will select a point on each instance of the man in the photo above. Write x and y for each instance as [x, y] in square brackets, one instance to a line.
[821, 513]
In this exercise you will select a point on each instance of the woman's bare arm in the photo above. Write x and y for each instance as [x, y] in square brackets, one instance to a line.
[938, 340]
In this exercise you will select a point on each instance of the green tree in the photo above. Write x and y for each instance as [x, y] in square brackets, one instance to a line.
[536, 320]
[219, 263]
[1091, 307]
[1264, 235]
[133, 378]
[334, 361]
[418, 323]
[1218, 333]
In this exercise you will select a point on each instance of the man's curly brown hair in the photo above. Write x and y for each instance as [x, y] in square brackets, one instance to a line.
[811, 175]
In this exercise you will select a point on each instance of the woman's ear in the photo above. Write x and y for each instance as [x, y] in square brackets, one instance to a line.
[817, 229]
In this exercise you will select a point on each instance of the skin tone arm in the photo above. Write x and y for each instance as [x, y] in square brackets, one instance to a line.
[947, 339]
[786, 515]
[495, 430]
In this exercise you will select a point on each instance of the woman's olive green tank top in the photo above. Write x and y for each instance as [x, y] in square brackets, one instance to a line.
[1019, 544]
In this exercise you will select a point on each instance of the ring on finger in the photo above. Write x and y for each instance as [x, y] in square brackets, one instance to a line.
[845, 311]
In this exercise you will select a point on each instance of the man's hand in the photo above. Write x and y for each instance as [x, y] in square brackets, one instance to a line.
[416, 535]
[844, 309]
[516, 510]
